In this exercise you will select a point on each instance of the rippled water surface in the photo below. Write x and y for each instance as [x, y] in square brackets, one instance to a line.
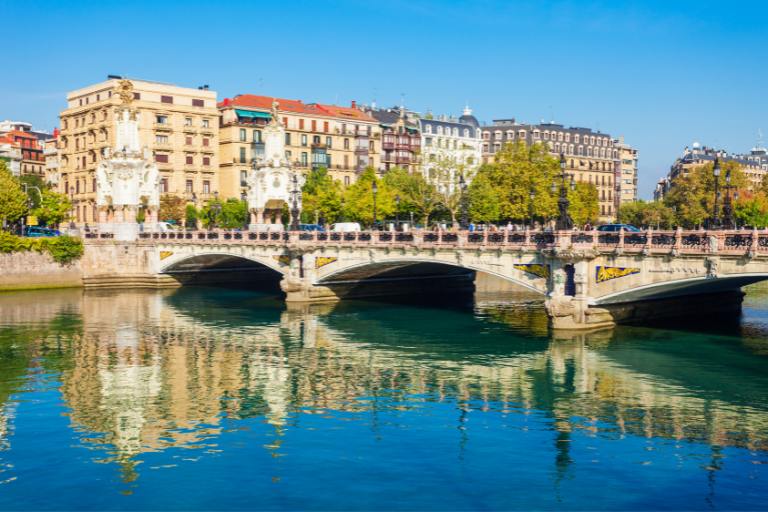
[220, 399]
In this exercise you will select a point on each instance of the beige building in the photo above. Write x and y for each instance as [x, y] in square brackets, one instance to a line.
[626, 180]
[179, 125]
[344, 140]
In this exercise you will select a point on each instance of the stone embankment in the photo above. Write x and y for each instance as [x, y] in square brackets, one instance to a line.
[30, 270]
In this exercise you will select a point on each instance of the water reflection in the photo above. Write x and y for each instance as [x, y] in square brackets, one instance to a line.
[142, 373]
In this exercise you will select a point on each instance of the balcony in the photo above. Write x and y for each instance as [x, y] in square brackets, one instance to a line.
[162, 126]
[402, 159]
[387, 144]
[189, 129]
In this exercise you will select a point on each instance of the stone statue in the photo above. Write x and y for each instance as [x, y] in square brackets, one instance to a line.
[125, 91]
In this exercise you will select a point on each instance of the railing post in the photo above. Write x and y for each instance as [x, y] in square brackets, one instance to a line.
[648, 240]
[620, 245]
[678, 239]
[527, 240]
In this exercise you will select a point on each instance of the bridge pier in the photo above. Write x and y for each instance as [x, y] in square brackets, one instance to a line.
[567, 302]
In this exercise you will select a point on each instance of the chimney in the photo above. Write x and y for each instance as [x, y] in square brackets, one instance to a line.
[354, 104]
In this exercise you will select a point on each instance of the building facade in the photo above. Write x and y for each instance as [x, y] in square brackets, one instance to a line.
[451, 147]
[626, 179]
[29, 144]
[344, 140]
[51, 154]
[400, 138]
[591, 156]
[10, 154]
[179, 125]
[754, 164]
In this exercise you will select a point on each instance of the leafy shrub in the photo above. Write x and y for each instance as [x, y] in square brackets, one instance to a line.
[63, 249]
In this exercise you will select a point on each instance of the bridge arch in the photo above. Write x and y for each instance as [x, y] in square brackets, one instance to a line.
[401, 267]
[700, 285]
[233, 268]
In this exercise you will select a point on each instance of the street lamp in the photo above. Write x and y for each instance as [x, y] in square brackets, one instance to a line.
[375, 189]
[397, 212]
[564, 220]
[214, 211]
[532, 195]
[295, 207]
[728, 221]
[715, 223]
[464, 221]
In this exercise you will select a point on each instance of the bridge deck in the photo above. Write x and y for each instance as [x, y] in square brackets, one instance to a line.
[680, 242]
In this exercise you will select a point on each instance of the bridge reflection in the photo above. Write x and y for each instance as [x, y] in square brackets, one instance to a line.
[145, 372]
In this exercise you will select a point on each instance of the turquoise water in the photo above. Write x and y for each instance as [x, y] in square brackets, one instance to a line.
[221, 399]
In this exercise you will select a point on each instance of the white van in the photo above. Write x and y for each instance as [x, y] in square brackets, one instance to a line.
[345, 227]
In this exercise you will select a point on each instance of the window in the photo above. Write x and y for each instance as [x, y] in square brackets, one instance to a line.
[161, 119]
[328, 141]
[190, 160]
[161, 139]
[304, 159]
[303, 140]
[346, 143]
[242, 155]
[243, 135]
[188, 187]
[325, 127]
[161, 158]
[166, 99]
[206, 123]
[316, 139]
[256, 135]
[243, 178]
[198, 103]
[429, 128]
[314, 125]
[287, 139]
[188, 140]
[206, 141]
[206, 187]
[301, 124]
[187, 121]
[164, 185]
[93, 185]
[137, 95]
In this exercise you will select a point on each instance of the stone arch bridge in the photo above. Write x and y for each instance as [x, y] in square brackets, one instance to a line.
[589, 279]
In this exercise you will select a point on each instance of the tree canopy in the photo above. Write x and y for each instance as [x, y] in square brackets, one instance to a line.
[13, 200]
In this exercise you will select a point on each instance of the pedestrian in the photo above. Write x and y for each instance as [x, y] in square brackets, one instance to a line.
[471, 227]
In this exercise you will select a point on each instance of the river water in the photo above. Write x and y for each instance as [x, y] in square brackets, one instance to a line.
[204, 398]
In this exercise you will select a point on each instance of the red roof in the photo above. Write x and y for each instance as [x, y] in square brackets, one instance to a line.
[23, 135]
[296, 107]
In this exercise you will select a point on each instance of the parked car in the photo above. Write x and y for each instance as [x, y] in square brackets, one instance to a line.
[37, 232]
[165, 227]
[345, 227]
[615, 228]
[311, 227]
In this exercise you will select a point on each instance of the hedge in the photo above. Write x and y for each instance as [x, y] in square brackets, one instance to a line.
[63, 249]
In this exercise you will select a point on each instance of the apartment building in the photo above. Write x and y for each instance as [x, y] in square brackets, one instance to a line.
[344, 140]
[451, 149]
[626, 179]
[591, 156]
[400, 137]
[178, 125]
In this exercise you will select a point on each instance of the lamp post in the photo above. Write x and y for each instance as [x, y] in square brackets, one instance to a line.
[295, 206]
[397, 212]
[215, 211]
[564, 220]
[532, 196]
[728, 220]
[464, 220]
[715, 223]
[375, 189]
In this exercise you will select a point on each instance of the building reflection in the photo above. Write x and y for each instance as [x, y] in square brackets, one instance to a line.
[144, 372]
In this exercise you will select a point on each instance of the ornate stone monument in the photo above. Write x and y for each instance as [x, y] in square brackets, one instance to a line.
[127, 177]
[272, 183]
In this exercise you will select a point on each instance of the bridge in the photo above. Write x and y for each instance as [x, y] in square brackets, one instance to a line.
[589, 279]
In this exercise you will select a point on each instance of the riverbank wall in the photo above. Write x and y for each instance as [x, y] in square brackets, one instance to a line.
[30, 270]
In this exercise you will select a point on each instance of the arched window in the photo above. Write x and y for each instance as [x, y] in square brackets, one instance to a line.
[589, 150]
[466, 132]
[570, 149]
[439, 130]
[510, 135]
[560, 136]
[497, 135]
[429, 128]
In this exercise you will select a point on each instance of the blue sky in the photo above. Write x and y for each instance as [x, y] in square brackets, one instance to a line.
[661, 73]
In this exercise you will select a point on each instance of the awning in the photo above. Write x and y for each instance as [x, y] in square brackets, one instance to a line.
[252, 115]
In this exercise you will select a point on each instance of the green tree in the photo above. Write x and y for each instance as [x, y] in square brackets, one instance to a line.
[33, 181]
[752, 210]
[584, 205]
[416, 194]
[484, 199]
[171, 208]
[190, 216]
[692, 195]
[234, 214]
[358, 198]
[321, 198]
[647, 214]
[13, 200]
[53, 208]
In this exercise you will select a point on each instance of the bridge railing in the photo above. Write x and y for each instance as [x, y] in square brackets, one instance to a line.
[649, 241]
